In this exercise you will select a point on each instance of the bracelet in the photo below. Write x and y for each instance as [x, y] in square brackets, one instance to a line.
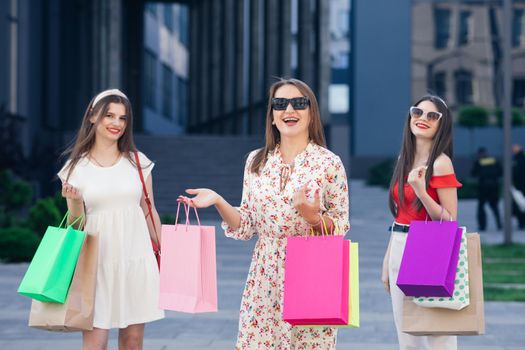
[318, 222]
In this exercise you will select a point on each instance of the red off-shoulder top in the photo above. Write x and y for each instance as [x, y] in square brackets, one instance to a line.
[408, 212]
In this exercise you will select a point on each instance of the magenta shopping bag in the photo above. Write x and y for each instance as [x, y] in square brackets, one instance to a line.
[430, 259]
[316, 280]
[188, 276]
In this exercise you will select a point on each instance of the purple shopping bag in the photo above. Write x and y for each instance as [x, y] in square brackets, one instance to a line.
[430, 259]
[316, 280]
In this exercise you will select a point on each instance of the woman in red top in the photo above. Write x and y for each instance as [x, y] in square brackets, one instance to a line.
[423, 184]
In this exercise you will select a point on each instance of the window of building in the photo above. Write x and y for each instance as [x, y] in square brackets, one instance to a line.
[151, 8]
[182, 98]
[183, 25]
[150, 75]
[441, 27]
[517, 28]
[168, 16]
[464, 90]
[518, 92]
[465, 20]
[440, 84]
[167, 92]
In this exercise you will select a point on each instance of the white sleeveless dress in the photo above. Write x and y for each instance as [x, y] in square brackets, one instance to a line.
[127, 288]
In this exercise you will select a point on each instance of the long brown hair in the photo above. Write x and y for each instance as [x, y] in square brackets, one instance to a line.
[442, 143]
[272, 135]
[85, 138]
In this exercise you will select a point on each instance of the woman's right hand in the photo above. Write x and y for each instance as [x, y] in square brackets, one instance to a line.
[203, 198]
[384, 273]
[385, 279]
[71, 192]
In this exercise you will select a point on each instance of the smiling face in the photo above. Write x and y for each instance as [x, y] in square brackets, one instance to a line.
[292, 123]
[423, 127]
[113, 124]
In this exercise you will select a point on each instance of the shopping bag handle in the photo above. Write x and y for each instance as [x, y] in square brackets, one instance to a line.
[336, 229]
[187, 211]
[81, 217]
[324, 229]
[441, 216]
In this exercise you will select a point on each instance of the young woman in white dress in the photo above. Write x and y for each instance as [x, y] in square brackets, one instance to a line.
[101, 181]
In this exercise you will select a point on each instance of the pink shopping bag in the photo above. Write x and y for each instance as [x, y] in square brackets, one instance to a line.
[188, 276]
[430, 259]
[316, 280]
[353, 291]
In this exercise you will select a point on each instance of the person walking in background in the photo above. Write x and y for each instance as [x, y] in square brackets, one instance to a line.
[101, 180]
[518, 180]
[290, 185]
[488, 171]
[423, 186]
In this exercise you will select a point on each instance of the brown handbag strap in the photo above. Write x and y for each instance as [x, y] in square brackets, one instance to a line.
[146, 195]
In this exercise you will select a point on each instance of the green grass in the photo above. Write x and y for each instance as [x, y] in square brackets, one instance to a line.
[515, 250]
[503, 273]
[504, 294]
[504, 264]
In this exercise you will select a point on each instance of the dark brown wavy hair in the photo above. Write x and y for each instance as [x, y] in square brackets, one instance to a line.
[272, 135]
[442, 143]
[85, 138]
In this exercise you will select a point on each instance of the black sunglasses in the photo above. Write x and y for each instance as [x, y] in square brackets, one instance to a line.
[280, 104]
[416, 112]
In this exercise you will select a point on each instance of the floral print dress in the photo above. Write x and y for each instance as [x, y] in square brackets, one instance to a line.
[268, 211]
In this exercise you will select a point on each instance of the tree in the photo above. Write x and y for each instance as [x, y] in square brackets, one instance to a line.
[517, 117]
[472, 117]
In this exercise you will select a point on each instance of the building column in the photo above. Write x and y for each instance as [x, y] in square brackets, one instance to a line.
[285, 38]
[107, 43]
[256, 65]
[228, 45]
[323, 69]
[272, 48]
[217, 63]
[196, 63]
[130, 52]
[239, 65]
[306, 57]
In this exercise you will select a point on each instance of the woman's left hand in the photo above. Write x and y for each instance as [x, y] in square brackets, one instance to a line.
[307, 209]
[416, 179]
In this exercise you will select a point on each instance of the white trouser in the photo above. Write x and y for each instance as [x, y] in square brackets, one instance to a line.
[407, 341]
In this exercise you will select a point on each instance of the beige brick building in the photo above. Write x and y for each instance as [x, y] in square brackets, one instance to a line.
[457, 51]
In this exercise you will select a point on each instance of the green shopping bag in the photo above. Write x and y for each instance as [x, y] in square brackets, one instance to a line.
[49, 275]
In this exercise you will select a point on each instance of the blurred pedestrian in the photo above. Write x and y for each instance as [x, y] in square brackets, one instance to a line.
[488, 171]
[518, 180]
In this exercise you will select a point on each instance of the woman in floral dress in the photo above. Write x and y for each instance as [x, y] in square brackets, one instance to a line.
[288, 186]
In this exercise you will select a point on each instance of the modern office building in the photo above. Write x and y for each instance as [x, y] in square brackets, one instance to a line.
[203, 67]
[165, 72]
[189, 67]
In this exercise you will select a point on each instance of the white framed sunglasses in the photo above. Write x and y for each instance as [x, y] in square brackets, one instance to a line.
[416, 112]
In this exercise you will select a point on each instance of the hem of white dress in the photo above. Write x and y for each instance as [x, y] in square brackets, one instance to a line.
[130, 323]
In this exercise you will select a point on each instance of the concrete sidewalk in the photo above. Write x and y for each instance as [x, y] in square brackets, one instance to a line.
[505, 322]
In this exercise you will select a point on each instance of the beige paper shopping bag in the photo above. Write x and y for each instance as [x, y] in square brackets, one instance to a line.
[76, 314]
[468, 321]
